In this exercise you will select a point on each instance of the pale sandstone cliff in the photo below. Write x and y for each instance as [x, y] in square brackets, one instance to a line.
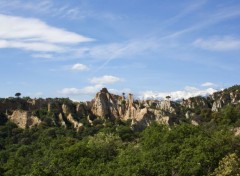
[24, 119]
[109, 106]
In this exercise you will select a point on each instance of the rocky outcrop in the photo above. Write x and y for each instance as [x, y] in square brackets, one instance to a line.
[196, 102]
[109, 106]
[141, 113]
[74, 122]
[214, 102]
[167, 106]
[217, 105]
[82, 110]
[224, 98]
[24, 119]
[105, 105]
[37, 103]
[236, 131]
[20, 111]
[61, 120]
[142, 119]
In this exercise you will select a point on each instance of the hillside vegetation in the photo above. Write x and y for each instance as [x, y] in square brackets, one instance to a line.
[112, 146]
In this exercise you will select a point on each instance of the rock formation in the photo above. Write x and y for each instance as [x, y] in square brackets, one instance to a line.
[75, 123]
[196, 102]
[24, 119]
[109, 106]
[222, 98]
[105, 104]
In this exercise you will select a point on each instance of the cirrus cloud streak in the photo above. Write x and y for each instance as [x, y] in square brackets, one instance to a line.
[218, 43]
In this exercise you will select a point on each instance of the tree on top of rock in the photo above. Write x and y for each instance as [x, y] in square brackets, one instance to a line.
[17, 94]
[168, 97]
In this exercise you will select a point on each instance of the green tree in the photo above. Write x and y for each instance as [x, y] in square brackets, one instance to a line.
[104, 146]
[228, 166]
[168, 97]
[18, 94]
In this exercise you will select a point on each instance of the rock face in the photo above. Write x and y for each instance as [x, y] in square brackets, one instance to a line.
[196, 102]
[112, 106]
[75, 123]
[222, 99]
[105, 104]
[82, 110]
[24, 119]
[142, 113]
[61, 120]
[109, 106]
[20, 111]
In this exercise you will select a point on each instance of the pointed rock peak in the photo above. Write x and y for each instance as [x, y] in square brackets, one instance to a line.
[130, 98]
[104, 90]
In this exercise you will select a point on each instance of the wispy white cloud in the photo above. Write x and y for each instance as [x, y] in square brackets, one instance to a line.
[99, 83]
[177, 95]
[188, 9]
[43, 55]
[79, 67]
[54, 9]
[32, 46]
[120, 91]
[136, 47]
[36, 35]
[208, 84]
[70, 91]
[119, 50]
[43, 7]
[87, 93]
[218, 43]
[107, 79]
[168, 41]
[88, 90]
[31, 29]
[8, 6]
[208, 20]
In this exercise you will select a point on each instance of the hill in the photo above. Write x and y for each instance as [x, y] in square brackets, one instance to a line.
[26, 112]
[117, 135]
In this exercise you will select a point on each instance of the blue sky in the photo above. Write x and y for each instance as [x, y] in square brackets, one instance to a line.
[51, 48]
